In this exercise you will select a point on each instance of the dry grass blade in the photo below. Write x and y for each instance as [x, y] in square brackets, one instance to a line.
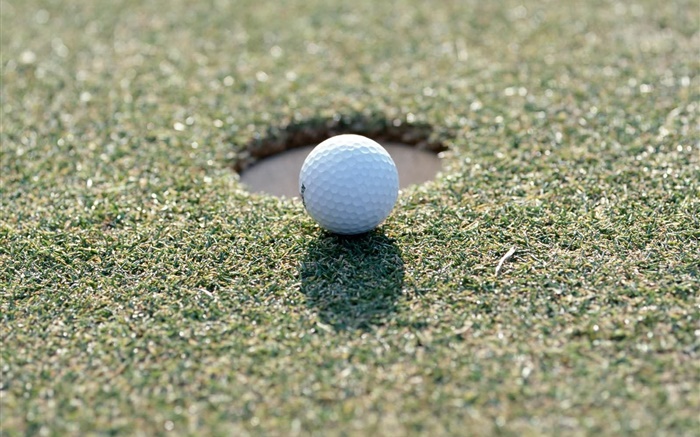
[505, 258]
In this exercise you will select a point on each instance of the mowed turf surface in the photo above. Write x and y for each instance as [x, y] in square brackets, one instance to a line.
[144, 291]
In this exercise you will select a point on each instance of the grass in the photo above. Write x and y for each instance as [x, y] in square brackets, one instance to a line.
[144, 291]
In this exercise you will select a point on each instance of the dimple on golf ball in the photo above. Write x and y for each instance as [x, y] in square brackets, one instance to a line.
[349, 184]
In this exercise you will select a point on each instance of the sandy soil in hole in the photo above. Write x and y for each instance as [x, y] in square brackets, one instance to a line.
[279, 175]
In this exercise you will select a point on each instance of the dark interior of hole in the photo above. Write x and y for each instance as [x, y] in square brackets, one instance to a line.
[315, 130]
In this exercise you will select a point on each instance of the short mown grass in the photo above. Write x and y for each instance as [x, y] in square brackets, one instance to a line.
[144, 291]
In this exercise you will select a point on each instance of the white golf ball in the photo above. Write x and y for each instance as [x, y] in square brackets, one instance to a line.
[349, 184]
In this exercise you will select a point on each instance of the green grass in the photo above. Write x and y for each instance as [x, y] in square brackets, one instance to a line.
[142, 289]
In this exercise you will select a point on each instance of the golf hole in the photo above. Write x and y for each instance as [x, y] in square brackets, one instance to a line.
[271, 164]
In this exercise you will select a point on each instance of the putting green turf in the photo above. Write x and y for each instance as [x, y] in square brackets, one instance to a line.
[143, 290]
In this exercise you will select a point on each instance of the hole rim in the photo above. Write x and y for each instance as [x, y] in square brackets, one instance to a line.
[312, 131]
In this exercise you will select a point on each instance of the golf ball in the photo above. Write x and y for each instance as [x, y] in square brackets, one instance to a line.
[349, 184]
